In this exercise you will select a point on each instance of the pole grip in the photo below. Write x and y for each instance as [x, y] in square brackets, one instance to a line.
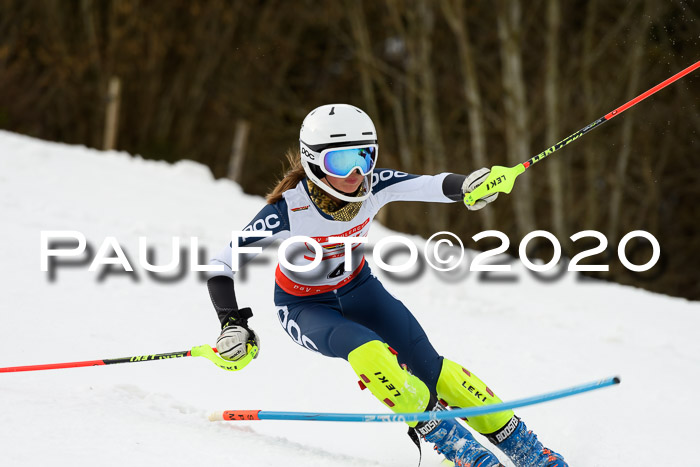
[501, 179]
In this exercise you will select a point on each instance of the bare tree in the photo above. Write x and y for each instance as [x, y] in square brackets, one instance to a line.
[557, 165]
[591, 156]
[453, 11]
[517, 132]
[358, 27]
[402, 95]
[433, 144]
[620, 175]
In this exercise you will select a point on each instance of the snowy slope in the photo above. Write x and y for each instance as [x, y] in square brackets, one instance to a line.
[522, 337]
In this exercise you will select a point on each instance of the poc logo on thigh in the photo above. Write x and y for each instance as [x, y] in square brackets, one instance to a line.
[293, 330]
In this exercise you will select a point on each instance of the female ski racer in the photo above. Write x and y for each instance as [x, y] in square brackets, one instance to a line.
[334, 190]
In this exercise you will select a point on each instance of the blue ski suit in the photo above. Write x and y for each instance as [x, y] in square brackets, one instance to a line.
[332, 310]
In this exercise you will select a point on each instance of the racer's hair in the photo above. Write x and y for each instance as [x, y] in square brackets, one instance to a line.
[290, 179]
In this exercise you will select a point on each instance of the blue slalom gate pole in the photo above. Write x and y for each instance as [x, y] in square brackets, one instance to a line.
[235, 415]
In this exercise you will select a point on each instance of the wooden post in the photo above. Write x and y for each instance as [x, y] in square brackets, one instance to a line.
[112, 114]
[240, 138]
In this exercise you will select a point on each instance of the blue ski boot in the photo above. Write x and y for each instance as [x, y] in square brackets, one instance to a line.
[454, 441]
[523, 448]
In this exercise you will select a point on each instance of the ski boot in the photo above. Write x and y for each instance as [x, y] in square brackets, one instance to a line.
[523, 448]
[455, 442]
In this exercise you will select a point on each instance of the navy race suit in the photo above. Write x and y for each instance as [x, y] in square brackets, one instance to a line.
[331, 310]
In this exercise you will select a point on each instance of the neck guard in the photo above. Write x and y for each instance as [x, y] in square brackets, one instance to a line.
[338, 210]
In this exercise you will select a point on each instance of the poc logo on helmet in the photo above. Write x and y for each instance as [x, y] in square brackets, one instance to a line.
[307, 153]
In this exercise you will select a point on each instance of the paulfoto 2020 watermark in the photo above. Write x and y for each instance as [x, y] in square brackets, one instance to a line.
[443, 252]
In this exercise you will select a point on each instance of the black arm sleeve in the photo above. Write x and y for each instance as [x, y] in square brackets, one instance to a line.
[223, 297]
[452, 186]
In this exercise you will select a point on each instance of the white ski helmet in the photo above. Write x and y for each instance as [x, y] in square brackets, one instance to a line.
[343, 127]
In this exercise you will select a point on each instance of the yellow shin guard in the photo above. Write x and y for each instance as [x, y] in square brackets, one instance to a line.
[460, 388]
[380, 372]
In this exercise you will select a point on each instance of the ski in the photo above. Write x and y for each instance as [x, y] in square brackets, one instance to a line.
[244, 415]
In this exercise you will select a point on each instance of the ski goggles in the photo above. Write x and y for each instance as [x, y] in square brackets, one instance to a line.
[341, 162]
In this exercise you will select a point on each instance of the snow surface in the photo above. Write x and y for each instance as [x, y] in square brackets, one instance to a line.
[523, 337]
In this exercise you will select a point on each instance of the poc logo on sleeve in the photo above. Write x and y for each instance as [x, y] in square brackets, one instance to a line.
[270, 222]
[386, 175]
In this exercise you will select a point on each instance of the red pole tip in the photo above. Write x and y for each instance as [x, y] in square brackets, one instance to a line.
[241, 415]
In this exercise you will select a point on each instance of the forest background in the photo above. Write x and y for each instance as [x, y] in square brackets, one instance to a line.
[451, 86]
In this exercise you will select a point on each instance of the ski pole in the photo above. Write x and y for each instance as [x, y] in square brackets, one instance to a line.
[199, 351]
[234, 415]
[501, 179]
